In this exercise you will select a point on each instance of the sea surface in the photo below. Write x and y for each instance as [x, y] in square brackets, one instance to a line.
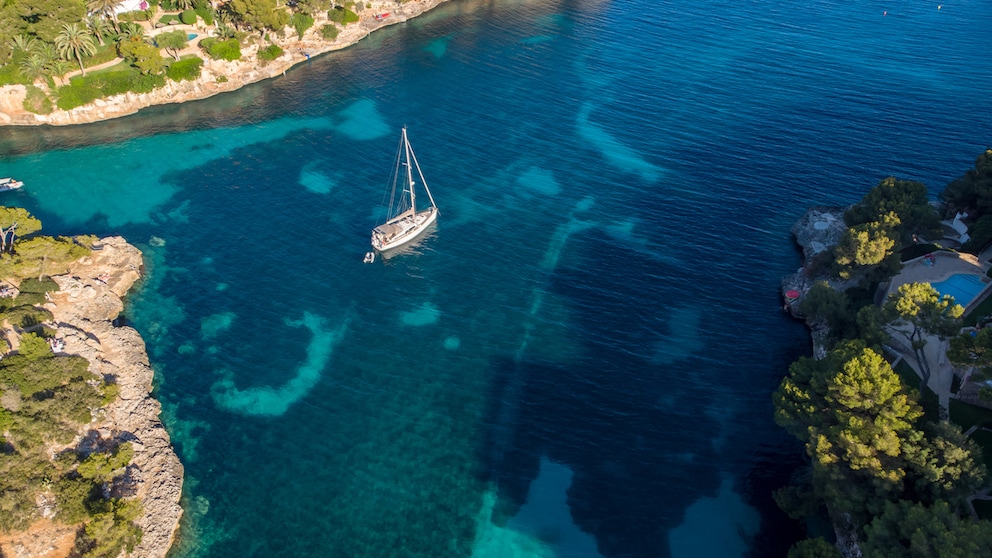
[577, 362]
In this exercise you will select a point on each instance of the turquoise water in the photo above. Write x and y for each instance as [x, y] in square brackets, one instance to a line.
[963, 287]
[579, 360]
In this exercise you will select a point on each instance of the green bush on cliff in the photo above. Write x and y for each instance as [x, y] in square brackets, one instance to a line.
[301, 22]
[72, 494]
[205, 13]
[83, 90]
[36, 101]
[111, 531]
[342, 15]
[40, 256]
[270, 53]
[329, 32]
[186, 69]
[101, 467]
[229, 49]
[40, 286]
[26, 316]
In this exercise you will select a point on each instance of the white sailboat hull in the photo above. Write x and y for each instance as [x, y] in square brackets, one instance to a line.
[403, 229]
[405, 223]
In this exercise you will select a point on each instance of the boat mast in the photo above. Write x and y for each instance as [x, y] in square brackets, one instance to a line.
[422, 179]
[409, 174]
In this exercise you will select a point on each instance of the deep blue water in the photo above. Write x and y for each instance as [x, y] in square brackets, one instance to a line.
[579, 361]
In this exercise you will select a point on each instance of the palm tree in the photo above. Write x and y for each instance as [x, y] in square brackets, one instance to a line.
[184, 4]
[46, 50]
[104, 8]
[59, 68]
[20, 43]
[129, 30]
[34, 67]
[74, 41]
[99, 26]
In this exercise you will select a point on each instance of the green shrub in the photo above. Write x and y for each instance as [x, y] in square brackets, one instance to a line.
[73, 495]
[916, 250]
[85, 89]
[27, 315]
[188, 17]
[206, 14]
[32, 285]
[221, 79]
[342, 15]
[221, 50]
[36, 101]
[136, 15]
[981, 235]
[9, 75]
[329, 32]
[270, 53]
[102, 466]
[112, 529]
[186, 69]
[104, 53]
[301, 22]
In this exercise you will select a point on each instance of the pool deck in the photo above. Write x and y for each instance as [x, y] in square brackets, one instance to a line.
[945, 265]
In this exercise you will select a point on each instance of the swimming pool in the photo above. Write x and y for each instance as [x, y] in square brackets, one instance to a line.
[962, 286]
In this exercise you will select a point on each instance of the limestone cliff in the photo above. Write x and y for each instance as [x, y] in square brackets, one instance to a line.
[84, 308]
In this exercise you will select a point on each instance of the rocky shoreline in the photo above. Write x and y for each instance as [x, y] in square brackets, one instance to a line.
[816, 232]
[237, 74]
[84, 310]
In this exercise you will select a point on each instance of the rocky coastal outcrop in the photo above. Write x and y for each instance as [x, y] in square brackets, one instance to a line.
[84, 310]
[816, 232]
[218, 76]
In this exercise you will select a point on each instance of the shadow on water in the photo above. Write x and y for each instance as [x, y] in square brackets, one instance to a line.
[653, 451]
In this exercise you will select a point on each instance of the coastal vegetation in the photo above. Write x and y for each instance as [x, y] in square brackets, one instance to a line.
[50, 466]
[895, 473]
[52, 46]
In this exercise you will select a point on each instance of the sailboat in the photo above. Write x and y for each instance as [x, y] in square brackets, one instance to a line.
[404, 222]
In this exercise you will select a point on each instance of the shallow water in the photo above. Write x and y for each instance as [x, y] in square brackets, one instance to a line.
[579, 360]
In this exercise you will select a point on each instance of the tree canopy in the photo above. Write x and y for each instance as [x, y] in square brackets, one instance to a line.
[15, 221]
[918, 310]
[854, 415]
[912, 529]
[173, 42]
[814, 548]
[972, 191]
[907, 199]
[259, 15]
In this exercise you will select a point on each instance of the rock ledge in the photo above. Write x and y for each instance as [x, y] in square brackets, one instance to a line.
[84, 308]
